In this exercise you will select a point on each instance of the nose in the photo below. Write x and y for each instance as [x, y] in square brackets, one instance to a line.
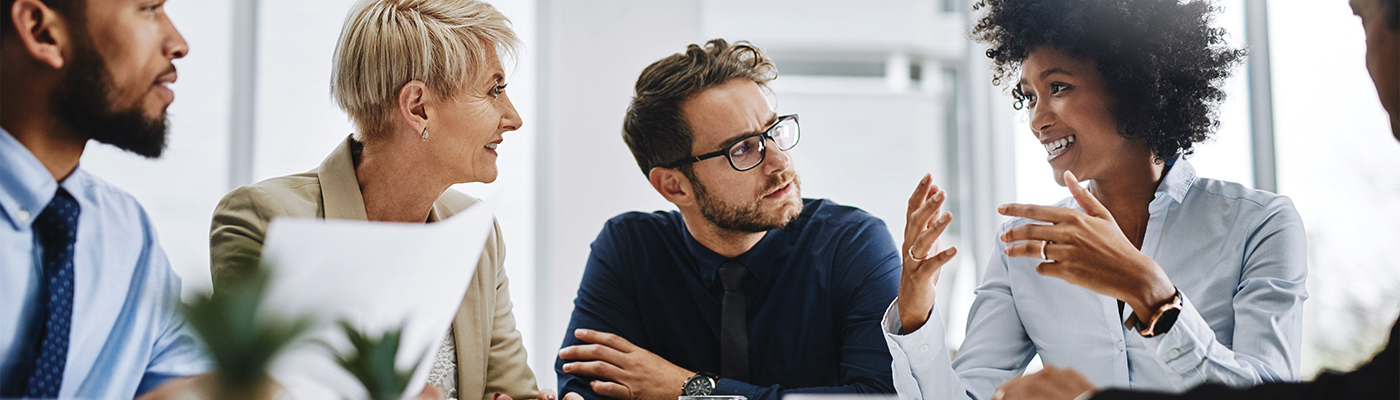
[1042, 117]
[175, 45]
[775, 161]
[510, 119]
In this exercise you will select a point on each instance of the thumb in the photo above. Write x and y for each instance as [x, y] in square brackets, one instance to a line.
[1086, 200]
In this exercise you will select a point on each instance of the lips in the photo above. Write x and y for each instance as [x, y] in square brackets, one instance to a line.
[1055, 147]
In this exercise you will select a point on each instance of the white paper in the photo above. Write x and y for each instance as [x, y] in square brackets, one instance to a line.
[375, 275]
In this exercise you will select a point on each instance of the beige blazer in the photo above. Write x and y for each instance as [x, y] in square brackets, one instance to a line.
[490, 352]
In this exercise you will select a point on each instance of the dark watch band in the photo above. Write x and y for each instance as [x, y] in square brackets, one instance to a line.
[1162, 320]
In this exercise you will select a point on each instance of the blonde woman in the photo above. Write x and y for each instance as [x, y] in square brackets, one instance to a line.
[423, 83]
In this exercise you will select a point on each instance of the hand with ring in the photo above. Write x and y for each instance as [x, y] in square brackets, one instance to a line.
[925, 221]
[1087, 249]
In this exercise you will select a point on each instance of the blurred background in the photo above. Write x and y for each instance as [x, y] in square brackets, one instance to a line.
[887, 89]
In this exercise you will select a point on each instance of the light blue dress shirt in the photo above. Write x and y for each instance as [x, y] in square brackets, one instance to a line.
[1237, 255]
[127, 336]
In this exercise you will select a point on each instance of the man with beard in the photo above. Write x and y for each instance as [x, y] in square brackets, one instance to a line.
[88, 301]
[748, 289]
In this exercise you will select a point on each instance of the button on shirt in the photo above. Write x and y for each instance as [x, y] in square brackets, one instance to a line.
[126, 335]
[1237, 255]
[819, 286]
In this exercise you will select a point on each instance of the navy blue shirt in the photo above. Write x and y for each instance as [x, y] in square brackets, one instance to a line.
[819, 288]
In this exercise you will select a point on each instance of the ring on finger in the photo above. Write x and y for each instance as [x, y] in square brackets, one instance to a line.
[916, 259]
[1043, 245]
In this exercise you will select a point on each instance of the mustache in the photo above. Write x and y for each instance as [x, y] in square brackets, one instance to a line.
[777, 181]
[169, 72]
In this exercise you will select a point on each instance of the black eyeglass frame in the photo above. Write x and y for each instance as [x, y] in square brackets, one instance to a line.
[762, 146]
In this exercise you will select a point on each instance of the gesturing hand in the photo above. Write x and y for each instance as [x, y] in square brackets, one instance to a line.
[623, 370]
[924, 222]
[1089, 250]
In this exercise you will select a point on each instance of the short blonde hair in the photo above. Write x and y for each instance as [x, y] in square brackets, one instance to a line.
[388, 43]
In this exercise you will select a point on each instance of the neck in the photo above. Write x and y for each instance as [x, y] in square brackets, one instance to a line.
[1127, 193]
[724, 242]
[25, 114]
[381, 172]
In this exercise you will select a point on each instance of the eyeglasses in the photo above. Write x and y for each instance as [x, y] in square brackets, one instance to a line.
[749, 151]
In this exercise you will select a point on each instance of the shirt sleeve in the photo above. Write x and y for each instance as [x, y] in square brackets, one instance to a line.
[177, 351]
[604, 303]
[867, 269]
[237, 230]
[1268, 311]
[995, 350]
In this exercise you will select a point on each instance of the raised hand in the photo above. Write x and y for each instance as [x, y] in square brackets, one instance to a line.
[924, 223]
[1089, 250]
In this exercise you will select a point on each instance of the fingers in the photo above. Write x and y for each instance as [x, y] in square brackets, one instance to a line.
[1032, 249]
[610, 389]
[545, 394]
[1039, 213]
[596, 369]
[497, 396]
[1052, 233]
[921, 217]
[920, 194]
[606, 339]
[573, 396]
[591, 352]
[1087, 201]
[925, 240]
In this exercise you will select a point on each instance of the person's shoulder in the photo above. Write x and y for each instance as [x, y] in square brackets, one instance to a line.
[645, 222]
[1236, 195]
[829, 212]
[290, 195]
[111, 202]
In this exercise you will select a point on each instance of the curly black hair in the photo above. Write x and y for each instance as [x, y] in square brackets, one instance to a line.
[1161, 61]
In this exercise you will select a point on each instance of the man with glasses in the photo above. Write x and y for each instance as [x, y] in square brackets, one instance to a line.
[748, 289]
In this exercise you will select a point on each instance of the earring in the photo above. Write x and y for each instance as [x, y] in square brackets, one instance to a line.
[425, 133]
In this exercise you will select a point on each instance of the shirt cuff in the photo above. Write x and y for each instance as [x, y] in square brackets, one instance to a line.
[727, 386]
[916, 346]
[1184, 347]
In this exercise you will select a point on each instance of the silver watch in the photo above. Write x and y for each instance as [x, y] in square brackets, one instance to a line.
[702, 384]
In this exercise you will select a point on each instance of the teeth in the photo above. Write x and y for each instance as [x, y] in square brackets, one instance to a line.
[1059, 145]
[492, 146]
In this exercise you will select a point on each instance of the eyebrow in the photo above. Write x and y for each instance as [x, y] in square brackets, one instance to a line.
[1049, 72]
[736, 138]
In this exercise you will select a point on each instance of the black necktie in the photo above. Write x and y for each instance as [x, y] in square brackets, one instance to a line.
[734, 324]
[57, 229]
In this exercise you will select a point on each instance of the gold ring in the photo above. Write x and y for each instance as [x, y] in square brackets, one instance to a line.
[916, 259]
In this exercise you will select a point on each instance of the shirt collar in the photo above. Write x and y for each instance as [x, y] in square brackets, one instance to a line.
[1175, 184]
[28, 186]
[763, 260]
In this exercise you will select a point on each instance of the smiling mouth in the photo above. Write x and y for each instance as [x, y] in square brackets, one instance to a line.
[492, 146]
[1057, 146]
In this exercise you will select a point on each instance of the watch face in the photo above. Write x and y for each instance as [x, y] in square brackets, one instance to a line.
[699, 385]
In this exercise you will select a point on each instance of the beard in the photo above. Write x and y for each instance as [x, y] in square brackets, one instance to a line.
[82, 101]
[746, 218]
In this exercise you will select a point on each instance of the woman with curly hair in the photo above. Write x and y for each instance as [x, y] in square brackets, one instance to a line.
[1151, 278]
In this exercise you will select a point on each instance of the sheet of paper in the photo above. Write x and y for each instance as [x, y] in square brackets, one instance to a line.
[377, 276]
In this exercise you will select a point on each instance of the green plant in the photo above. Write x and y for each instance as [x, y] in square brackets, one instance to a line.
[373, 363]
[240, 340]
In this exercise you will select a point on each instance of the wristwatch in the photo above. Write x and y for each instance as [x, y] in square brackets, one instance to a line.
[1161, 321]
[702, 384]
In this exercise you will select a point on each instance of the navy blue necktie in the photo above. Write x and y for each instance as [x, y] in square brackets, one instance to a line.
[57, 229]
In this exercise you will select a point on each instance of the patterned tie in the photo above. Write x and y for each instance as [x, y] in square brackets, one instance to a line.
[733, 323]
[57, 228]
